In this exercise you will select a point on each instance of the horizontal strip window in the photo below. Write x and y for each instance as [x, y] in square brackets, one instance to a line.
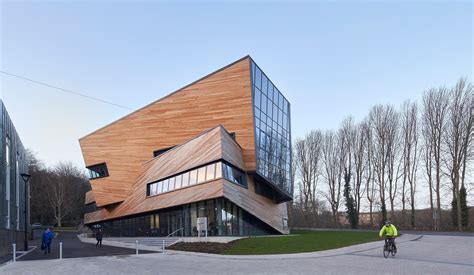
[98, 171]
[196, 176]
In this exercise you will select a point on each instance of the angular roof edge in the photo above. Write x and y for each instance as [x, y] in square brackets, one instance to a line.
[191, 139]
[168, 95]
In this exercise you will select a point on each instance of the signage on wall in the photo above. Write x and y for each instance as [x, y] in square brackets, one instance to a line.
[202, 226]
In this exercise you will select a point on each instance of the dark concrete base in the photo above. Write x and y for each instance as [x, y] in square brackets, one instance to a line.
[7, 238]
[74, 248]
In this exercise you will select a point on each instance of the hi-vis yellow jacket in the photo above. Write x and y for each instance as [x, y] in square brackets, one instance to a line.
[390, 231]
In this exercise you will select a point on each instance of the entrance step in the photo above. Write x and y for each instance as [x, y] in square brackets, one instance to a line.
[148, 241]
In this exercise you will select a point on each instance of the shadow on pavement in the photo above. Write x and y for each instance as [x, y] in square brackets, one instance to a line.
[74, 248]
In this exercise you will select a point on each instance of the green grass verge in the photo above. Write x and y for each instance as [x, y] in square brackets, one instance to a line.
[301, 241]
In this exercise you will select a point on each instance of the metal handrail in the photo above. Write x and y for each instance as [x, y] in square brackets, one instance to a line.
[175, 232]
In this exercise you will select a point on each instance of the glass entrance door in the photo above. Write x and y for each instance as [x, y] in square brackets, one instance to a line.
[175, 222]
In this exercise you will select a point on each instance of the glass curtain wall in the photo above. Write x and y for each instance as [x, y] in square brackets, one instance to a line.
[272, 131]
[224, 219]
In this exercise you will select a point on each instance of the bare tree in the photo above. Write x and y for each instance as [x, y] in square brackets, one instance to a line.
[393, 161]
[370, 186]
[65, 190]
[435, 109]
[380, 116]
[348, 134]
[458, 128]
[428, 164]
[307, 160]
[359, 156]
[409, 129]
[333, 165]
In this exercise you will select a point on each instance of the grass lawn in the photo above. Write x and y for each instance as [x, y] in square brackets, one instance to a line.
[302, 241]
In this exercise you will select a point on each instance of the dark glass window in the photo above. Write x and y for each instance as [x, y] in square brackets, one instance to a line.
[234, 175]
[98, 171]
[161, 151]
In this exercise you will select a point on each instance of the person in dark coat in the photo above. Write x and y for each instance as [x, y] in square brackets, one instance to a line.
[47, 239]
[98, 237]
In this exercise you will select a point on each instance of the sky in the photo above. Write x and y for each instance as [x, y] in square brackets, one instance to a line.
[331, 59]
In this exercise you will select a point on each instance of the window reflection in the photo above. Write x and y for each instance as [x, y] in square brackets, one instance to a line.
[192, 177]
[199, 175]
[210, 171]
[218, 170]
[178, 181]
[185, 179]
[159, 187]
[272, 131]
[171, 184]
[165, 185]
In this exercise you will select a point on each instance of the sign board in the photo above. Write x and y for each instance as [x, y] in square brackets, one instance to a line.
[202, 226]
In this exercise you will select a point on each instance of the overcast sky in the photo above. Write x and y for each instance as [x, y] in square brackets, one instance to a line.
[331, 59]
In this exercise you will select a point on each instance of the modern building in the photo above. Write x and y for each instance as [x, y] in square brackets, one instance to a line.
[218, 148]
[12, 187]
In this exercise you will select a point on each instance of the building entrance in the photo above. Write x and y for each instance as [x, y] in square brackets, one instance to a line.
[175, 222]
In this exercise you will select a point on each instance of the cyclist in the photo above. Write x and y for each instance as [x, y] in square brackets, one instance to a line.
[390, 232]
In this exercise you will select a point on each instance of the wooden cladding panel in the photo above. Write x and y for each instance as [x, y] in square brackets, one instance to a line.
[200, 150]
[141, 203]
[259, 206]
[231, 151]
[223, 98]
[89, 197]
[211, 145]
[205, 148]
[93, 216]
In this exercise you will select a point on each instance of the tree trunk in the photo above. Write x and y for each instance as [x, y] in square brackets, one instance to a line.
[458, 202]
[371, 215]
[438, 198]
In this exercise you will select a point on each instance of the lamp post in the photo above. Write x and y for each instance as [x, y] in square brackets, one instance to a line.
[26, 178]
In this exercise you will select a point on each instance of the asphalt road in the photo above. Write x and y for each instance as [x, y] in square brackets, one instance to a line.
[73, 248]
[416, 255]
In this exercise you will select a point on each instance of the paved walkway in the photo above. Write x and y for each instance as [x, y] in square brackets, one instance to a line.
[417, 255]
[73, 248]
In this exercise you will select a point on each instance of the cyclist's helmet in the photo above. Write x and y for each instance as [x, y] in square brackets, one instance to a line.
[388, 222]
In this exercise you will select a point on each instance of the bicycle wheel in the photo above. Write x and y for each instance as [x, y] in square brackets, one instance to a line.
[386, 251]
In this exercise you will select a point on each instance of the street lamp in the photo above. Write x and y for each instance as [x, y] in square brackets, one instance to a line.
[26, 178]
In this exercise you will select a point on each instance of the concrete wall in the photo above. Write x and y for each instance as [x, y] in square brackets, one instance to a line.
[15, 185]
[6, 240]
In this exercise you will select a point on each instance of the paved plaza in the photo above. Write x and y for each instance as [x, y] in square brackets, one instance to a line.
[418, 254]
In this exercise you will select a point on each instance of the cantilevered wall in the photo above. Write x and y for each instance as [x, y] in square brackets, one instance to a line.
[223, 97]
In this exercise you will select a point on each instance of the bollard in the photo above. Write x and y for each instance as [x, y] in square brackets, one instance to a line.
[14, 252]
[163, 250]
[136, 242]
[60, 250]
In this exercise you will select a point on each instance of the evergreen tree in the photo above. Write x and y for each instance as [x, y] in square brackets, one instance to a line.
[464, 209]
[350, 208]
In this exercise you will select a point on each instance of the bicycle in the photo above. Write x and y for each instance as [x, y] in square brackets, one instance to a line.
[389, 248]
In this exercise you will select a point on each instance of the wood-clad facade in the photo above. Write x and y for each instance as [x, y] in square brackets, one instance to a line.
[209, 122]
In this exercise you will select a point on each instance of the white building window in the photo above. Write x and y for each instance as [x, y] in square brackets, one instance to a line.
[7, 182]
[17, 192]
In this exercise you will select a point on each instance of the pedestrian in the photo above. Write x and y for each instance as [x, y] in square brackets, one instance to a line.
[98, 237]
[46, 240]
